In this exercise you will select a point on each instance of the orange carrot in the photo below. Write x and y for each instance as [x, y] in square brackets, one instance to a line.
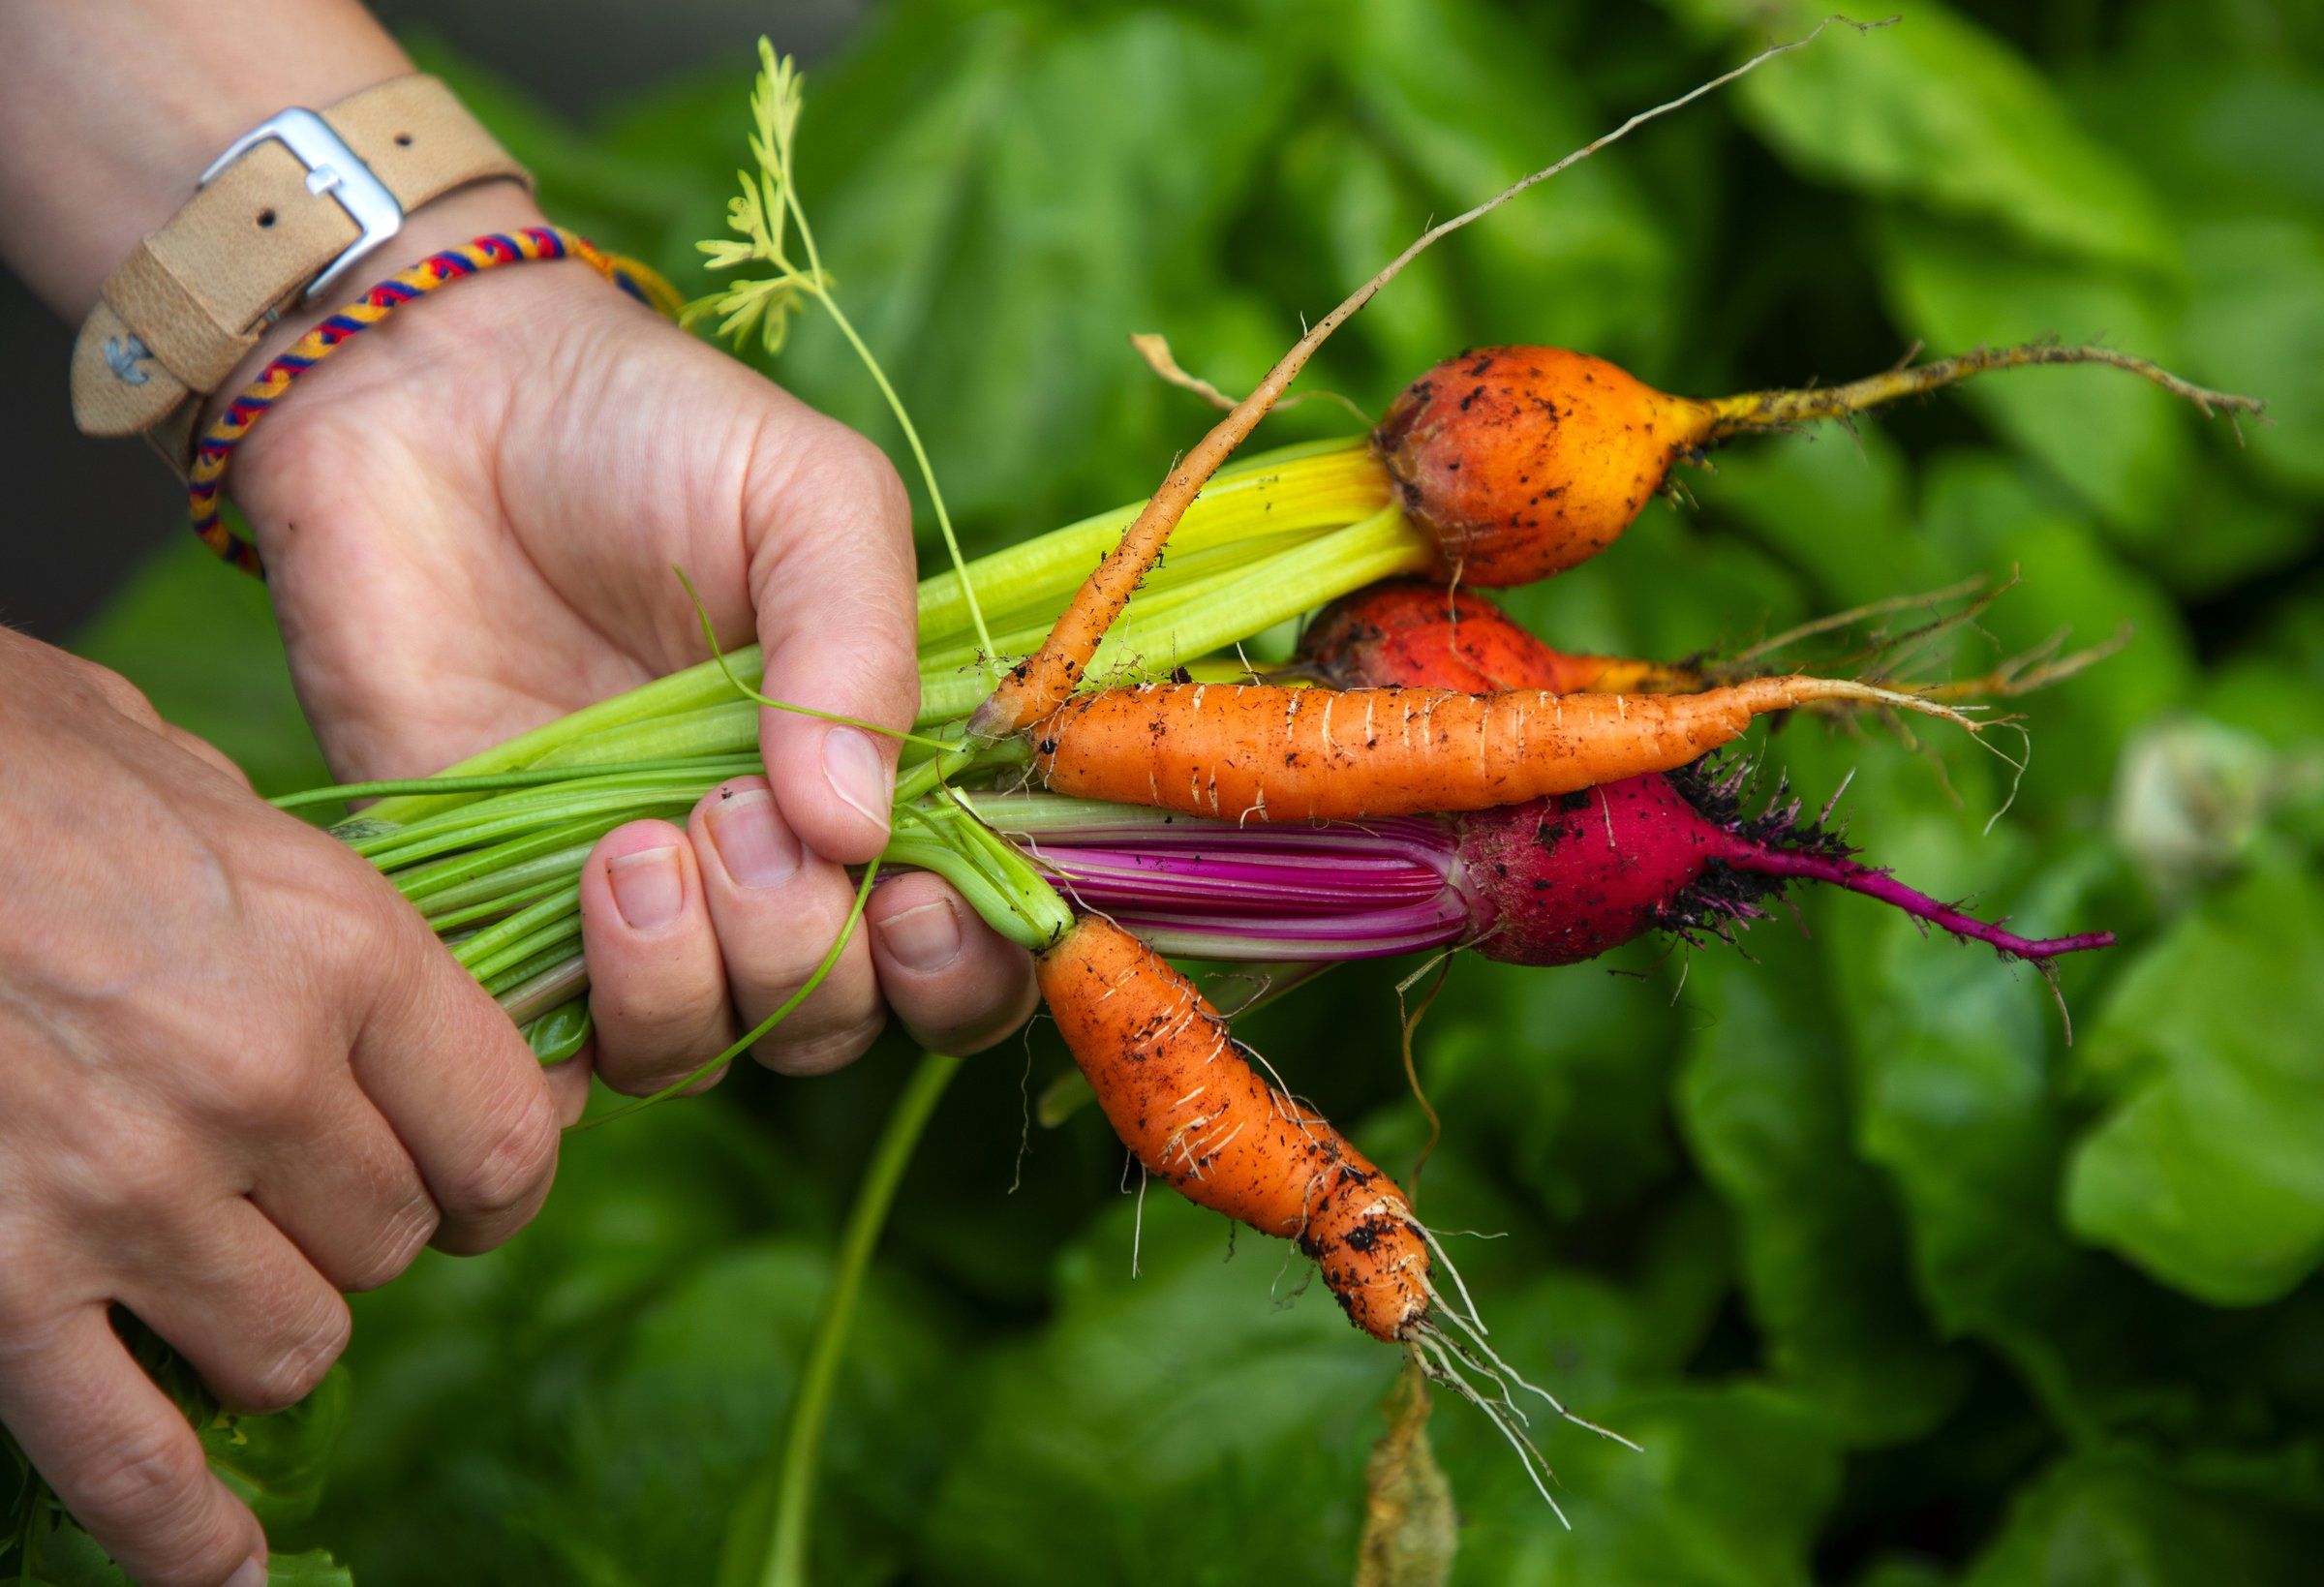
[1183, 1099]
[1266, 753]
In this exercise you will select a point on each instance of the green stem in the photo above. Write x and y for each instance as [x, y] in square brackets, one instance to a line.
[911, 435]
[537, 777]
[792, 1464]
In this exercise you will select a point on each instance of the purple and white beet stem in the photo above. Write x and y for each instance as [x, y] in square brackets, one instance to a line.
[1216, 890]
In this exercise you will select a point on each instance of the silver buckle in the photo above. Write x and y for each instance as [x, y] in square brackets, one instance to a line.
[332, 168]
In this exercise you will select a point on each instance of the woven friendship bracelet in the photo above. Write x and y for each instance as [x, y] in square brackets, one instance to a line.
[217, 446]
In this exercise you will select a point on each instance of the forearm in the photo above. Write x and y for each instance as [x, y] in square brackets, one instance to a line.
[109, 111]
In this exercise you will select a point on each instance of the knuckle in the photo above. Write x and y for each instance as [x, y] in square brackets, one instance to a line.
[396, 1244]
[857, 464]
[144, 1476]
[820, 1052]
[117, 692]
[249, 1087]
[289, 1371]
[121, 1174]
[516, 1160]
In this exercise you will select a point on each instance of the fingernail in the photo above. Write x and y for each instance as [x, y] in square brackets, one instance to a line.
[858, 774]
[647, 888]
[251, 1572]
[757, 849]
[925, 938]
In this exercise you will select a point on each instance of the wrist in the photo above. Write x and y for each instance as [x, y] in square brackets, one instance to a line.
[458, 216]
[109, 113]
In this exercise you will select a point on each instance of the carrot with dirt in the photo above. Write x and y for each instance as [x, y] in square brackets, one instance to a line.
[1556, 881]
[1521, 462]
[1190, 1106]
[1271, 752]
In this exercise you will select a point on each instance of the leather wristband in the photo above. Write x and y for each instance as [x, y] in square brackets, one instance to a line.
[282, 213]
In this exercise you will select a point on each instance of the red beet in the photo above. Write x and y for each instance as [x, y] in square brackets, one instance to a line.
[1559, 881]
[1424, 635]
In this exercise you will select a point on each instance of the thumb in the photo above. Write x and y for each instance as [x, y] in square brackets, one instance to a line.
[832, 579]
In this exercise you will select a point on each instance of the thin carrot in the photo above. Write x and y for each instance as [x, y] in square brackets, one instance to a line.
[1184, 1099]
[1039, 685]
[1266, 753]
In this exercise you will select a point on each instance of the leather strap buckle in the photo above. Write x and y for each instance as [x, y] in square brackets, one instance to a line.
[333, 169]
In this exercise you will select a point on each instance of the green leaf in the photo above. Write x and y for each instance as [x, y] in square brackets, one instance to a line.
[1690, 1511]
[1185, 1416]
[1463, 105]
[2256, 325]
[2109, 1521]
[314, 1567]
[1953, 1053]
[1586, 1126]
[1934, 109]
[278, 1464]
[1764, 1100]
[2206, 1169]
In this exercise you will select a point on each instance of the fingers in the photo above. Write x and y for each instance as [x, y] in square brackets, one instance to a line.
[240, 1304]
[347, 1195]
[657, 987]
[738, 913]
[568, 1085]
[463, 1092]
[831, 578]
[779, 908]
[123, 1459]
[958, 984]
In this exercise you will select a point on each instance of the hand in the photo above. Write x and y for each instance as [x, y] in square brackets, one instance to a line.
[471, 516]
[238, 1075]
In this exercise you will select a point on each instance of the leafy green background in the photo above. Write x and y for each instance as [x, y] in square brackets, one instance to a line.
[1894, 1285]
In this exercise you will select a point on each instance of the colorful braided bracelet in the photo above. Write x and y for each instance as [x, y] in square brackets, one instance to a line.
[218, 442]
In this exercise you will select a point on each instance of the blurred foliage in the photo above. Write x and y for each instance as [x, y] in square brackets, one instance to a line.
[1895, 1286]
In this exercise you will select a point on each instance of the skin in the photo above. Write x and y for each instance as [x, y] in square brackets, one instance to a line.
[1264, 752]
[237, 1077]
[470, 517]
[1183, 1099]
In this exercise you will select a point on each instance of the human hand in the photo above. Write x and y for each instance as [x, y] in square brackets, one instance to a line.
[471, 516]
[238, 1075]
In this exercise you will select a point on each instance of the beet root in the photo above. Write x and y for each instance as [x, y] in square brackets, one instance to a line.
[1520, 461]
[1556, 881]
[1560, 880]
[1420, 634]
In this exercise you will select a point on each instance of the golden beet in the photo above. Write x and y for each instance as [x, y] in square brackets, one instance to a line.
[1523, 461]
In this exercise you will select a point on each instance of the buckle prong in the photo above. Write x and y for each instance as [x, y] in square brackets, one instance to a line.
[333, 169]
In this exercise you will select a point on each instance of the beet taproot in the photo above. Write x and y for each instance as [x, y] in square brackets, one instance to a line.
[1520, 461]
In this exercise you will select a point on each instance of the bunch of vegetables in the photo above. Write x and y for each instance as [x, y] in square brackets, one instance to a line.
[1434, 777]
